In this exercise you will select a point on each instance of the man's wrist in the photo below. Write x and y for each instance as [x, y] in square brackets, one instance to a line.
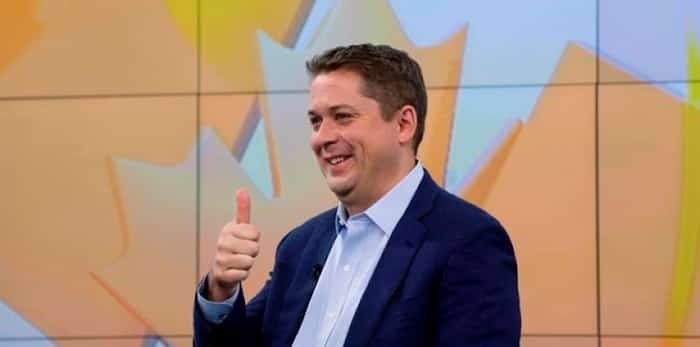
[217, 293]
[215, 312]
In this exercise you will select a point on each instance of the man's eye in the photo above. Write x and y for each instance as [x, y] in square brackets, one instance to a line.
[343, 116]
[315, 122]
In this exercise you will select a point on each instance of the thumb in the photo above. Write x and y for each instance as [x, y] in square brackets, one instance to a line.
[242, 206]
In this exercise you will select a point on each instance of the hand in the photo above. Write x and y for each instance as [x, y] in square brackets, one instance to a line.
[236, 250]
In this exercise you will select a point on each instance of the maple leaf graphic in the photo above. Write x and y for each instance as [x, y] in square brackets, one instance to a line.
[441, 65]
[524, 152]
[228, 66]
[540, 179]
[298, 187]
[157, 199]
[148, 288]
[58, 151]
[687, 263]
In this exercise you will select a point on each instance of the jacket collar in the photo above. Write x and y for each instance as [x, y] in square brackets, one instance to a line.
[393, 264]
[388, 275]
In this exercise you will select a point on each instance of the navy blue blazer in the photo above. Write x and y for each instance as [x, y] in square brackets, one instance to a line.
[447, 277]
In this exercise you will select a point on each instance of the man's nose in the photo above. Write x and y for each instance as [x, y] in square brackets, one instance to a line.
[326, 134]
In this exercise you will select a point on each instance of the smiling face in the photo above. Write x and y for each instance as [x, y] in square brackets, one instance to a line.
[361, 154]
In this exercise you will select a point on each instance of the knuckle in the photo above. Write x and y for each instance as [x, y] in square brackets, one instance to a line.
[247, 262]
[237, 247]
[225, 230]
[246, 231]
[236, 275]
[220, 265]
[224, 248]
[223, 242]
[237, 229]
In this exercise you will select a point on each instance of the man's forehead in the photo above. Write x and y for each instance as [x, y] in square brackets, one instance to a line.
[341, 78]
[335, 96]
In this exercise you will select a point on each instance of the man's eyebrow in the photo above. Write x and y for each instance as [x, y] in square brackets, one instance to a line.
[335, 108]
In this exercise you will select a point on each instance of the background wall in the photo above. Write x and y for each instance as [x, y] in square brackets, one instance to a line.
[126, 126]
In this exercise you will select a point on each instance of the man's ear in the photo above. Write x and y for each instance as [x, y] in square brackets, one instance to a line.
[407, 120]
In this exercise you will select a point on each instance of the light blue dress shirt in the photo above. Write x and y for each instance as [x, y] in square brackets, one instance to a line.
[352, 259]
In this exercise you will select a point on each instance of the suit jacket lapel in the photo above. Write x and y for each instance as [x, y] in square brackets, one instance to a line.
[393, 264]
[302, 286]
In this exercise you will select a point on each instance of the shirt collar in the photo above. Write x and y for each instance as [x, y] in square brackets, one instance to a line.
[388, 210]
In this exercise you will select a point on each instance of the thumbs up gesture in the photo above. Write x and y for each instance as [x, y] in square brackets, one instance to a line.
[236, 249]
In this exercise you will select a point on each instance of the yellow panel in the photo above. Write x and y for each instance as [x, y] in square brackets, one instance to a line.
[230, 51]
[649, 342]
[643, 147]
[89, 47]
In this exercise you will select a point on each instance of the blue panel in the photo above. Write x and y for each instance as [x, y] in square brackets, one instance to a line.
[648, 39]
[13, 325]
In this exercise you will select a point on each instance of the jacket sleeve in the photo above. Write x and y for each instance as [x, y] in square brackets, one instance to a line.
[242, 326]
[478, 292]
[215, 312]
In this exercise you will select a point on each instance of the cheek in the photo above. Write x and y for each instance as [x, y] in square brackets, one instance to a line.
[381, 151]
[313, 144]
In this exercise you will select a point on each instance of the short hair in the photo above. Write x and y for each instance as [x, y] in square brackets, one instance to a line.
[391, 77]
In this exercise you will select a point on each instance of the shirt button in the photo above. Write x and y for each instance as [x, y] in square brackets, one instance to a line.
[346, 268]
[331, 315]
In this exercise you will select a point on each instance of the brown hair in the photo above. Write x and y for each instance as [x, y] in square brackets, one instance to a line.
[391, 76]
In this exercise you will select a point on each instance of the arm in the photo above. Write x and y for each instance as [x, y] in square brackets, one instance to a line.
[478, 299]
[215, 312]
[242, 325]
[236, 249]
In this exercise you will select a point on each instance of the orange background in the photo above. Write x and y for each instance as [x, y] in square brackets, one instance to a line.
[126, 126]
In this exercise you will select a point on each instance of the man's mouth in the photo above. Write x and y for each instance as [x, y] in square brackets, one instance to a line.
[338, 159]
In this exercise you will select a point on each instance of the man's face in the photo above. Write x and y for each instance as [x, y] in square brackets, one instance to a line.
[357, 150]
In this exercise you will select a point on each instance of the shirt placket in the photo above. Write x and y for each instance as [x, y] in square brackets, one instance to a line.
[346, 270]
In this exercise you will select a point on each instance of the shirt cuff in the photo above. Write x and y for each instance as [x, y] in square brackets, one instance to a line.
[215, 312]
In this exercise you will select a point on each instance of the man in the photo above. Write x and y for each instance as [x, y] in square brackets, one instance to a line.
[399, 262]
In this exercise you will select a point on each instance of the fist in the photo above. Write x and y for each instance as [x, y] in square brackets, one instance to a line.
[236, 249]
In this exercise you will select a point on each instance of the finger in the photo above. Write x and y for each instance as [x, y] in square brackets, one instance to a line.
[239, 231]
[245, 232]
[242, 206]
[239, 246]
[229, 278]
[235, 261]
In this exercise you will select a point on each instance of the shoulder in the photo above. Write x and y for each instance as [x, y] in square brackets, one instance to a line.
[469, 234]
[452, 211]
[458, 226]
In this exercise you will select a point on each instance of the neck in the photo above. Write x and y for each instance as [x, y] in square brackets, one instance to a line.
[359, 205]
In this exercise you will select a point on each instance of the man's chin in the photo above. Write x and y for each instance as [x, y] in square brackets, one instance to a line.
[340, 190]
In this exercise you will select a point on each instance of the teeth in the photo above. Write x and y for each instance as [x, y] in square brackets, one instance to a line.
[336, 160]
